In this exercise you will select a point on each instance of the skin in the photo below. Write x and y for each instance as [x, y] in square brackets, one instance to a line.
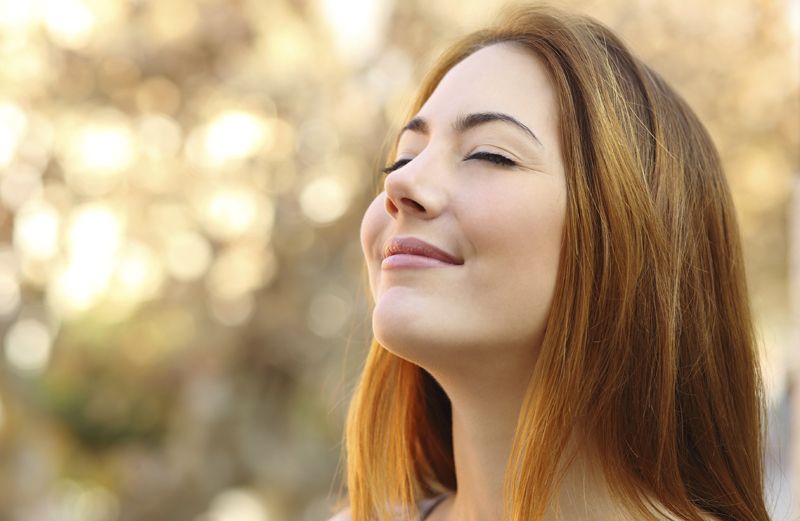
[477, 327]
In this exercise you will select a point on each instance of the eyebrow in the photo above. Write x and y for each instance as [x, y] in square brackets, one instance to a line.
[465, 122]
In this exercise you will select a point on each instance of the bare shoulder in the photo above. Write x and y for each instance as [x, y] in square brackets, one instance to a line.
[343, 515]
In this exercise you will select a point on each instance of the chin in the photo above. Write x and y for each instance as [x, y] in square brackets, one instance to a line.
[400, 333]
[416, 340]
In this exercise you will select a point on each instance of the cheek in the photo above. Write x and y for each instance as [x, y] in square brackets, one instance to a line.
[518, 267]
[523, 222]
[517, 239]
[373, 223]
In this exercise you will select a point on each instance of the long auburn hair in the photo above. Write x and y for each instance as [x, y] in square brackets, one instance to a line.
[649, 341]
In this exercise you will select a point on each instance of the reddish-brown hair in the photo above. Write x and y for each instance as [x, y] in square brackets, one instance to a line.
[650, 338]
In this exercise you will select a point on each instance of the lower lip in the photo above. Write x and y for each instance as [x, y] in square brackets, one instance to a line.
[401, 261]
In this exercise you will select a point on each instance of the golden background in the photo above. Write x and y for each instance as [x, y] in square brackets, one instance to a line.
[181, 186]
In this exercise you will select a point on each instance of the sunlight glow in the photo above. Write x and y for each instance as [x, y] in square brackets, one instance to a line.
[97, 154]
[327, 314]
[233, 211]
[138, 276]
[94, 232]
[325, 199]
[19, 185]
[36, 230]
[94, 236]
[28, 345]
[10, 294]
[238, 505]
[159, 135]
[187, 255]
[69, 23]
[13, 123]
[236, 135]
[356, 26]
[74, 500]
[17, 15]
[240, 269]
[794, 18]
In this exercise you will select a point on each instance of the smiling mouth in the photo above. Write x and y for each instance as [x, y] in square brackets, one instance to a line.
[415, 247]
[410, 261]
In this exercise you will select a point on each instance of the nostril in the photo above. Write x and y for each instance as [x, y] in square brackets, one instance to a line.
[390, 206]
[415, 204]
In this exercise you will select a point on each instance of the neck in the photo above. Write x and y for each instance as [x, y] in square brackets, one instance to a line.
[485, 409]
[485, 403]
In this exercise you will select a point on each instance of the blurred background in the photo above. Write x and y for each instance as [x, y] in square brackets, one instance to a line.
[182, 309]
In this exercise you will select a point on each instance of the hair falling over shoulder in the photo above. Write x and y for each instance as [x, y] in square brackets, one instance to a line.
[650, 338]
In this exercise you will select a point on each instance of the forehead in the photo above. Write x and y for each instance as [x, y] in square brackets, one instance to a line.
[501, 77]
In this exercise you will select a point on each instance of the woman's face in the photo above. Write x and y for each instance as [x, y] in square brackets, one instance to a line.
[505, 222]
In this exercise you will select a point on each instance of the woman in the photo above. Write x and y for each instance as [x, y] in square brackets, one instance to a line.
[561, 321]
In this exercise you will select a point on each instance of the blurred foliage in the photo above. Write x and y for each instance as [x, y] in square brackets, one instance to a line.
[181, 186]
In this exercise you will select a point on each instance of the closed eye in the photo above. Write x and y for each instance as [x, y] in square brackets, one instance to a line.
[485, 156]
[494, 158]
[398, 164]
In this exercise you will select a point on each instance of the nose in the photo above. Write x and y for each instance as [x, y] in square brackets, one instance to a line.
[414, 191]
[408, 203]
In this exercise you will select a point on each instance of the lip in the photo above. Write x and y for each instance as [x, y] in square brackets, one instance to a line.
[411, 252]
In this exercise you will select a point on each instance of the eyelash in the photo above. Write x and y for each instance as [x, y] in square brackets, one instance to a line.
[486, 156]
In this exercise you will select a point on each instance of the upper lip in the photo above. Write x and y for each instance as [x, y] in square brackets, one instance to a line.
[414, 246]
